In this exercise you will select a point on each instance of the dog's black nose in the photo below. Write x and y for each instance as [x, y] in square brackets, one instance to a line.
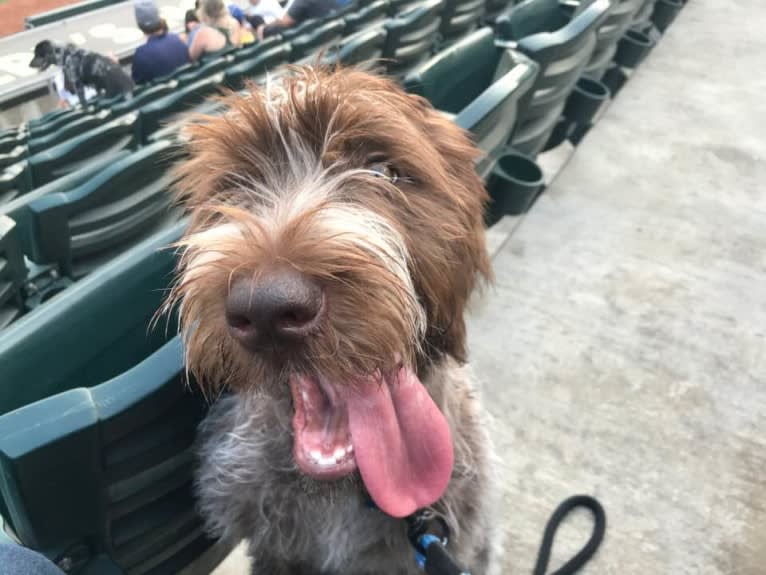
[279, 307]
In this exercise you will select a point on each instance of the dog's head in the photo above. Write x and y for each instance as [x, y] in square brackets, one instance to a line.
[45, 55]
[336, 235]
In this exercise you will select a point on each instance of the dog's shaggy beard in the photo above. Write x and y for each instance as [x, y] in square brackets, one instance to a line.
[306, 222]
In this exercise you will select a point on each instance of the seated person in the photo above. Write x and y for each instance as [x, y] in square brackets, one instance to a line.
[245, 36]
[191, 25]
[217, 31]
[298, 12]
[163, 52]
[263, 12]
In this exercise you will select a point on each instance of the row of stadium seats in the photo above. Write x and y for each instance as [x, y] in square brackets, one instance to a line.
[98, 423]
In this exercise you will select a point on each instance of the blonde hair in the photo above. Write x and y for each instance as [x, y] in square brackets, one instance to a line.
[213, 12]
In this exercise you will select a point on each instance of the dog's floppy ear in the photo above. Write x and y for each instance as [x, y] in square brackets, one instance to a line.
[448, 243]
[43, 52]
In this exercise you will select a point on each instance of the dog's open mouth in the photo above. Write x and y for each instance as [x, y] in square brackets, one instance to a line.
[387, 426]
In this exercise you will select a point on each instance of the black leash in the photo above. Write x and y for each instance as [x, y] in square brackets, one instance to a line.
[428, 532]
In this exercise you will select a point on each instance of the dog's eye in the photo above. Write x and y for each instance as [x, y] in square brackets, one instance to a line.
[384, 170]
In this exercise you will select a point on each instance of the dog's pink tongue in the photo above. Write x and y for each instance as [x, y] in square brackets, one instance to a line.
[402, 443]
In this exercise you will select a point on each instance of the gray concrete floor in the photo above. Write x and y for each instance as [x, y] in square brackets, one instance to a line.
[623, 347]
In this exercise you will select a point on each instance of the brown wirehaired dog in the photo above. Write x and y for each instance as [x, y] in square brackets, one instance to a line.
[336, 235]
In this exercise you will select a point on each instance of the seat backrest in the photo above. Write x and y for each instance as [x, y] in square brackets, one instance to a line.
[122, 457]
[147, 95]
[411, 37]
[494, 8]
[253, 50]
[374, 13]
[401, 7]
[93, 330]
[460, 17]
[46, 125]
[15, 180]
[18, 209]
[455, 77]
[68, 156]
[106, 213]
[614, 26]
[152, 115]
[300, 29]
[206, 69]
[236, 76]
[11, 157]
[69, 130]
[483, 99]
[491, 118]
[561, 55]
[362, 50]
[12, 141]
[327, 35]
[12, 272]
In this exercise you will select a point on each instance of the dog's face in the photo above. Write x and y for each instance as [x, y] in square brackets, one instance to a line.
[336, 235]
[45, 55]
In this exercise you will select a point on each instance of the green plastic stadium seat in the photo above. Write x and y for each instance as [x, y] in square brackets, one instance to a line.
[15, 155]
[48, 116]
[121, 454]
[494, 8]
[373, 14]
[70, 155]
[18, 209]
[410, 38]
[253, 50]
[151, 93]
[614, 26]
[12, 272]
[236, 76]
[12, 141]
[306, 46]
[481, 86]
[15, 180]
[540, 30]
[69, 130]
[363, 50]
[94, 330]
[303, 28]
[205, 70]
[174, 74]
[56, 122]
[104, 412]
[79, 229]
[164, 110]
[460, 17]
[401, 7]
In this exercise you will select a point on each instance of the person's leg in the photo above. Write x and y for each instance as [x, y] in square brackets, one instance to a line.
[18, 560]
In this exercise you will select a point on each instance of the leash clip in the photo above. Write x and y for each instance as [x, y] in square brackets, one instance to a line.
[424, 528]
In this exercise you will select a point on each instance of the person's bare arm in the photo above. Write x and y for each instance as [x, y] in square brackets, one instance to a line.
[286, 21]
[206, 40]
[235, 33]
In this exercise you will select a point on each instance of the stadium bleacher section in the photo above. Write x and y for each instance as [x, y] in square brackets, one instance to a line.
[85, 214]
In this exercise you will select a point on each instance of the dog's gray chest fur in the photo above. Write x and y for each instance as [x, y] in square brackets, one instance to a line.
[249, 488]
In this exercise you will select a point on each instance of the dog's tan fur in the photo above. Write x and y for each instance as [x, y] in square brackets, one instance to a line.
[283, 179]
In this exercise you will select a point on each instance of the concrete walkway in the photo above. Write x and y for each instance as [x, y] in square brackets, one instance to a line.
[623, 347]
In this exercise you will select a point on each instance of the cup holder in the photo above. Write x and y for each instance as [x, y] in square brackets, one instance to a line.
[515, 182]
[632, 49]
[665, 11]
[586, 100]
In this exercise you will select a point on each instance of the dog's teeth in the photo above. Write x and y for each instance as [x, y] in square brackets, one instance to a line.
[305, 396]
[350, 449]
[339, 453]
[316, 455]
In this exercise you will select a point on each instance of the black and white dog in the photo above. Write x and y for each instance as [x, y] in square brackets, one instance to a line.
[83, 68]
